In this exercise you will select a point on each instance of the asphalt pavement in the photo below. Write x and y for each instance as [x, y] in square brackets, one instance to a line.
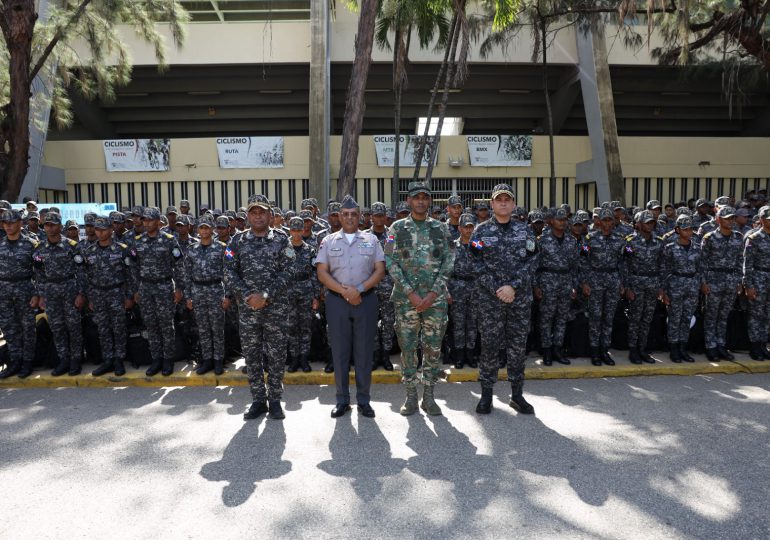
[637, 457]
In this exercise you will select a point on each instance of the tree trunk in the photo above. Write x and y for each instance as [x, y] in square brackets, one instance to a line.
[552, 181]
[397, 88]
[356, 105]
[17, 23]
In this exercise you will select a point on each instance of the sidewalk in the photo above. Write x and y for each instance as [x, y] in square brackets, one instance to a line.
[581, 368]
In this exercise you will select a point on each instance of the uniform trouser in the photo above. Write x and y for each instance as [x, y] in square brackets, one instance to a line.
[351, 336]
[263, 333]
[684, 301]
[464, 316]
[110, 318]
[717, 307]
[640, 313]
[65, 320]
[17, 320]
[300, 321]
[504, 327]
[554, 311]
[387, 317]
[759, 315]
[602, 304]
[210, 319]
[426, 329]
[157, 304]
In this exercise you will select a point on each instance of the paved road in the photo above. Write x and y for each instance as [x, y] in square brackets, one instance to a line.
[664, 457]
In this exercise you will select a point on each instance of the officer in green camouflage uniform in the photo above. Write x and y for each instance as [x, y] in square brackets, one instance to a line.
[419, 255]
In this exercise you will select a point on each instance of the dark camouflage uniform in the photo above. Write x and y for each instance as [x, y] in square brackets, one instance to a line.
[17, 318]
[508, 256]
[204, 269]
[722, 265]
[464, 307]
[681, 282]
[159, 271]
[386, 330]
[253, 265]
[556, 277]
[642, 259]
[302, 289]
[419, 257]
[756, 275]
[110, 282]
[60, 279]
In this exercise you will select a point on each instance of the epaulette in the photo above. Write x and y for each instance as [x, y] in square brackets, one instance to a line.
[122, 246]
[629, 237]
[169, 236]
[35, 243]
[752, 234]
[709, 234]
[72, 242]
[137, 237]
[220, 243]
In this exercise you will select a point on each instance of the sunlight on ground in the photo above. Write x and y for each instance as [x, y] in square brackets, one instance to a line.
[704, 494]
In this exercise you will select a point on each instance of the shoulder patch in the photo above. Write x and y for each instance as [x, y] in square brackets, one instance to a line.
[72, 242]
[219, 243]
[122, 245]
[708, 234]
[169, 236]
[137, 237]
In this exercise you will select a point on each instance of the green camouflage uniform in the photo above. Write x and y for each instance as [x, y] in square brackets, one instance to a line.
[420, 258]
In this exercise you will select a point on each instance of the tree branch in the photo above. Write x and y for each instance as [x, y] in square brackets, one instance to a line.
[718, 27]
[592, 10]
[60, 33]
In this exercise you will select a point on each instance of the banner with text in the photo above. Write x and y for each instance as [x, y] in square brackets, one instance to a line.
[500, 150]
[250, 152]
[137, 155]
[385, 147]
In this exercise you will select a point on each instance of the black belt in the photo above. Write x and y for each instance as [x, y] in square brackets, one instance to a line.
[59, 280]
[682, 274]
[302, 275]
[365, 293]
[16, 279]
[464, 278]
[605, 270]
[160, 280]
[108, 287]
[762, 268]
[555, 270]
[208, 282]
[647, 274]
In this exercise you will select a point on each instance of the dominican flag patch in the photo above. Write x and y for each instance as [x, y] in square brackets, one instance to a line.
[390, 239]
[585, 248]
[229, 253]
[477, 244]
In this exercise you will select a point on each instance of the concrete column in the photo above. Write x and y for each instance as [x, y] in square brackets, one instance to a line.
[320, 102]
[599, 106]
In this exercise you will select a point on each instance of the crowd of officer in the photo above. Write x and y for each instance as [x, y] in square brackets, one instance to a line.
[694, 255]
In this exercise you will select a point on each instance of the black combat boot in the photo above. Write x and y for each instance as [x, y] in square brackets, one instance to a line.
[120, 369]
[329, 367]
[763, 350]
[485, 403]
[558, 355]
[724, 353]
[168, 367]
[25, 371]
[547, 356]
[470, 358]
[293, 364]
[154, 368]
[204, 367]
[11, 369]
[754, 352]
[520, 405]
[712, 355]
[387, 365]
[219, 366]
[61, 368]
[646, 356]
[304, 363]
[274, 411]
[102, 369]
[502, 359]
[458, 358]
[683, 352]
[75, 367]
[257, 409]
[674, 353]
[606, 357]
[596, 356]
[633, 355]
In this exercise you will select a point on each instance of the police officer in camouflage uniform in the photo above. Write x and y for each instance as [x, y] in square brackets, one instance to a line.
[556, 283]
[681, 282]
[643, 258]
[18, 295]
[419, 255]
[303, 298]
[89, 219]
[111, 287]
[756, 281]
[257, 273]
[386, 331]
[507, 258]
[454, 209]
[61, 283]
[600, 274]
[723, 257]
[463, 308]
[204, 269]
[160, 274]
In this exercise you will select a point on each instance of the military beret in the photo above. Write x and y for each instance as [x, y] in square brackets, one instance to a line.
[52, 218]
[684, 222]
[453, 200]
[379, 209]
[151, 213]
[223, 222]
[171, 210]
[103, 222]
[467, 219]
[502, 189]
[89, 218]
[726, 212]
[71, 224]
[296, 224]
[764, 212]
[206, 221]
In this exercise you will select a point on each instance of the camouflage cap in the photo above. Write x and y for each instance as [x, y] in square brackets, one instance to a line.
[684, 222]
[366, 211]
[206, 221]
[764, 212]
[117, 217]
[482, 205]
[567, 208]
[722, 201]
[259, 201]
[743, 212]
[726, 212]
[683, 211]
[582, 216]
[33, 215]
[391, 214]
[454, 200]
[379, 209]
[334, 208]
[240, 215]
[137, 210]
[703, 202]
[163, 220]
[53, 218]
[171, 210]
[103, 223]
[521, 212]
[502, 189]
[560, 213]
[296, 224]
[651, 205]
[289, 214]
[645, 216]
[222, 222]
[151, 213]
[306, 214]
[402, 206]
[535, 216]
[435, 210]
[277, 211]
[204, 206]
[183, 220]
[306, 203]
[418, 186]
[184, 203]
[5, 204]
[467, 219]
[10, 215]
[89, 218]
[71, 224]
[606, 213]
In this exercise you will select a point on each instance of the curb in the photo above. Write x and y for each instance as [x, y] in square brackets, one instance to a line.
[581, 369]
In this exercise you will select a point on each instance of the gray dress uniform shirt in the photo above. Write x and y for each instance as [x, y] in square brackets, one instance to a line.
[350, 264]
